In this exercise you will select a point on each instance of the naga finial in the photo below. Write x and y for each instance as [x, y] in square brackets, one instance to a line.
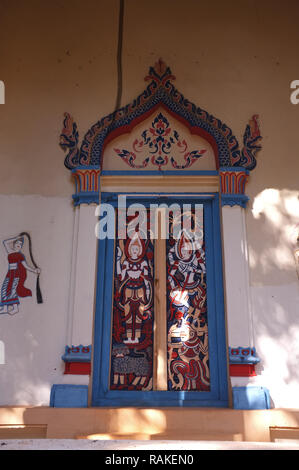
[251, 139]
[69, 139]
[160, 73]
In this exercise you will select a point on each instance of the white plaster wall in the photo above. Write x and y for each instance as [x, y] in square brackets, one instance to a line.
[273, 290]
[34, 339]
[276, 333]
[82, 288]
[236, 281]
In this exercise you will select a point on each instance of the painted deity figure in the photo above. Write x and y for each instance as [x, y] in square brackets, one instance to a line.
[188, 350]
[13, 285]
[185, 265]
[135, 287]
[187, 327]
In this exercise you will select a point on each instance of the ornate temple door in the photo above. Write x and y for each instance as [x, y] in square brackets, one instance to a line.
[159, 327]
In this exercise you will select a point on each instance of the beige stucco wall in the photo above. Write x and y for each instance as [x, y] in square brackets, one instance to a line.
[233, 59]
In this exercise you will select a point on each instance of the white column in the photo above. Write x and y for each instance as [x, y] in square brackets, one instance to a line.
[83, 277]
[238, 305]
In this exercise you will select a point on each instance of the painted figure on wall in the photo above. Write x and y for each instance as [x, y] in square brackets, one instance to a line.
[132, 334]
[136, 289]
[13, 286]
[187, 327]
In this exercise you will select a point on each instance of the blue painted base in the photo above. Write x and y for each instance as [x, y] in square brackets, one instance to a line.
[251, 398]
[69, 396]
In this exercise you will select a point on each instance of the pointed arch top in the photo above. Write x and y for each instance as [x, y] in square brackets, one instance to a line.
[160, 92]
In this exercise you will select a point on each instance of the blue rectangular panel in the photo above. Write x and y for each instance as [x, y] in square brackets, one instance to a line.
[69, 396]
[251, 398]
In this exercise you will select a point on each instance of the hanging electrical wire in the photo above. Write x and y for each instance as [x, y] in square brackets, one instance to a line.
[119, 54]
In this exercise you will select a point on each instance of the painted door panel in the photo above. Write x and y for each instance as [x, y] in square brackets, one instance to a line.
[194, 320]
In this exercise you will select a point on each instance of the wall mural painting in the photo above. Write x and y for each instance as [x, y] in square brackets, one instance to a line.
[13, 286]
[187, 324]
[133, 313]
[159, 141]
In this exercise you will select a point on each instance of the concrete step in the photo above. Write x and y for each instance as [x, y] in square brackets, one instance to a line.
[22, 431]
[149, 424]
[170, 436]
[133, 436]
[117, 445]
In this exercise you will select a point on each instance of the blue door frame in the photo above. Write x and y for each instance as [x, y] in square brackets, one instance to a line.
[218, 394]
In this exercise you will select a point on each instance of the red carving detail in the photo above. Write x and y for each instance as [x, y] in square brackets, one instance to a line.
[158, 141]
[235, 351]
[242, 370]
[77, 368]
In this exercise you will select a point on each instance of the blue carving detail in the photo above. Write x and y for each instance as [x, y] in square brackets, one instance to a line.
[241, 355]
[77, 353]
[234, 169]
[86, 197]
[234, 200]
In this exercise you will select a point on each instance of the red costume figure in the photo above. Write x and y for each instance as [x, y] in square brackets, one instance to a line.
[136, 287]
[13, 285]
